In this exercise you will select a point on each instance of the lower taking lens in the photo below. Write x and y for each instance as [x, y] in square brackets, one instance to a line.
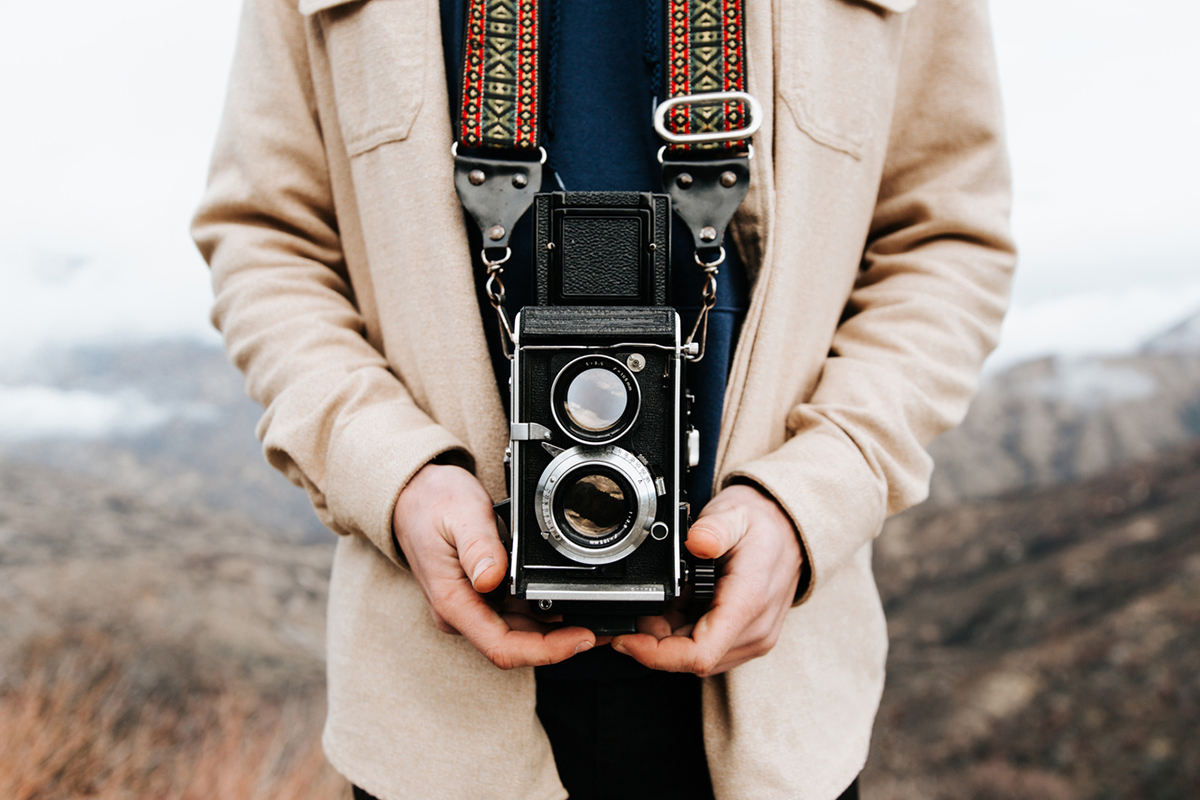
[594, 505]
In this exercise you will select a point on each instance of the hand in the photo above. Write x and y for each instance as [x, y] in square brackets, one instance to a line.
[759, 561]
[444, 525]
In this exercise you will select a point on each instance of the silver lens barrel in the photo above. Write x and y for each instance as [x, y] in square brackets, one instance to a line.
[604, 531]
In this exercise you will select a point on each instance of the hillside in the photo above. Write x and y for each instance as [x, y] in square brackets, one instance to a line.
[198, 597]
[1046, 645]
[1058, 420]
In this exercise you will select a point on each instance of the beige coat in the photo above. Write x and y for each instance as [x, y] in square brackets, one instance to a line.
[876, 232]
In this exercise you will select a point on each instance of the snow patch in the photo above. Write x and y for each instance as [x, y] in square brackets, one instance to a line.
[1091, 384]
[1182, 338]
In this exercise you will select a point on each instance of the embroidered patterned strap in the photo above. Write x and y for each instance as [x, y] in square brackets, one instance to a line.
[706, 45]
[501, 87]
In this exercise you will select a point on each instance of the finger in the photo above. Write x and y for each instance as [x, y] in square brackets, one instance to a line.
[700, 653]
[716, 532]
[658, 627]
[493, 636]
[474, 537]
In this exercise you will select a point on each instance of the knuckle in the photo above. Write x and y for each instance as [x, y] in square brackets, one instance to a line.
[476, 547]
[761, 631]
[704, 664]
[438, 597]
[499, 657]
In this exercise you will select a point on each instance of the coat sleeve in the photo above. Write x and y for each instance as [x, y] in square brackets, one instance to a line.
[337, 420]
[926, 307]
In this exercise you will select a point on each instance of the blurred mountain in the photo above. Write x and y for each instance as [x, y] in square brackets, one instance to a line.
[1181, 338]
[177, 428]
[1057, 420]
[1046, 645]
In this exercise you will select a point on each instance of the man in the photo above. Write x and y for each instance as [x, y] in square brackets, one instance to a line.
[875, 239]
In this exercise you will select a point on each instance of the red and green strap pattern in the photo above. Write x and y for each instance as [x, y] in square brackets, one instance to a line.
[502, 84]
[706, 45]
[501, 89]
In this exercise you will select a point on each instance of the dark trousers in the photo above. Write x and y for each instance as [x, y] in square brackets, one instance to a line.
[849, 794]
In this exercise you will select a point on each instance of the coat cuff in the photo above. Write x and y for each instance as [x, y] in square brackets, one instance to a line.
[822, 481]
[371, 459]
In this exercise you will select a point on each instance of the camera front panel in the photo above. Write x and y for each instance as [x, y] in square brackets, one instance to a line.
[597, 459]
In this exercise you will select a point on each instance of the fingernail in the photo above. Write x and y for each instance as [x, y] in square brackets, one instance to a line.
[582, 646]
[483, 567]
[619, 647]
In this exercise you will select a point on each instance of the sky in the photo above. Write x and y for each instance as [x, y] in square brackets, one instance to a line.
[110, 111]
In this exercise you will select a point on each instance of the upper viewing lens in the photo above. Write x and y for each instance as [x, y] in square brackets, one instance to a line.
[596, 399]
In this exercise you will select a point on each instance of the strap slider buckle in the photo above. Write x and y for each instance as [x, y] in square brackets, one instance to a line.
[754, 111]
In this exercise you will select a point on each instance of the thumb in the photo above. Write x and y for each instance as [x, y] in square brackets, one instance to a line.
[480, 551]
[716, 532]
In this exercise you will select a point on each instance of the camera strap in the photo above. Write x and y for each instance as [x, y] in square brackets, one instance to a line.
[706, 121]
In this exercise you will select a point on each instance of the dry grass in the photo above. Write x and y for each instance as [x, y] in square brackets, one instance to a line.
[82, 719]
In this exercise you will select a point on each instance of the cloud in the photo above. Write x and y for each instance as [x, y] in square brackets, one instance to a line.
[1090, 323]
[42, 412]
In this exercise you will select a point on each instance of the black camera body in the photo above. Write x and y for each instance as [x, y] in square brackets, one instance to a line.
[600, 438]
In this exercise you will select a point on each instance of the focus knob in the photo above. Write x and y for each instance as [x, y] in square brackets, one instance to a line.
[704, 580]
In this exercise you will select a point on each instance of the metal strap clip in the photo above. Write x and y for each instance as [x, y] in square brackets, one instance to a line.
[706, 99]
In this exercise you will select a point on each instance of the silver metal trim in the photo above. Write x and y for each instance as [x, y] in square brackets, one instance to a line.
[528, 431]
[582, 591]
[708, 98]
[674, 501]
[514, 466]
[614, 458]
[541, 152]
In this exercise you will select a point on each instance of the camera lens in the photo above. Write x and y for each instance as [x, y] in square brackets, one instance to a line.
[596, 399]
[594, 506]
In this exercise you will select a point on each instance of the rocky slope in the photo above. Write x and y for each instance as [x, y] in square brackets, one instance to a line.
[201, 596]
[1043, 646]
[1046, 645]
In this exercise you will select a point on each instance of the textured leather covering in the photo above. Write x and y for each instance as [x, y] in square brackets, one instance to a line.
[602, 248]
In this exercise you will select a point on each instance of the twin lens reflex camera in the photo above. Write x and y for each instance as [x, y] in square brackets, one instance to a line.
[600, 437]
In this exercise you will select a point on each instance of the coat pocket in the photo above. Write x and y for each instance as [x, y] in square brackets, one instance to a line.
[376, 52]
[838, 66]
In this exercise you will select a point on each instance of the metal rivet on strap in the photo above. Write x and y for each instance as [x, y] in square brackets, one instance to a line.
[708, 233]
[684, 180]
[476, 177]
[728, 179]
[520, 180]
[496, 233]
